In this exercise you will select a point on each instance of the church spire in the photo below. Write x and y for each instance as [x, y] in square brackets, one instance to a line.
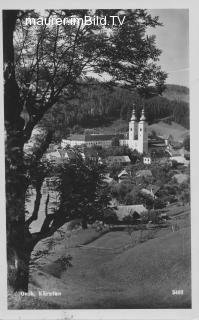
[143, 118]
[133, 117]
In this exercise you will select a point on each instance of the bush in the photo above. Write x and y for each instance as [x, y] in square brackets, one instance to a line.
[132, 218]
[155, 216]
[110, 217]
[159, 204]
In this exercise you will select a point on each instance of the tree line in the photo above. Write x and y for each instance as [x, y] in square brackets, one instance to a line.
[97, 105]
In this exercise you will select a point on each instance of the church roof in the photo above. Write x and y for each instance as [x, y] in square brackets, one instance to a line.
[77, 137]
[95, 137]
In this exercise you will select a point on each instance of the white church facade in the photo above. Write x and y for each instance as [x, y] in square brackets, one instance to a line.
[135, 139]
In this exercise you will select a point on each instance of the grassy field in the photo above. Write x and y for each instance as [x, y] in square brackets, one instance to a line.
[116, 270]
[164, 129]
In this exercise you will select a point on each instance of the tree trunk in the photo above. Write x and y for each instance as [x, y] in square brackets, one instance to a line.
[22, 272]
[18, 237]
[19, 268]
[18, 248]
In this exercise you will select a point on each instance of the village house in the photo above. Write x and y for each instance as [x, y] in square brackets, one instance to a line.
[180, 160]
[181, 156]
[150, 190]
[135, 211]
[123, 175]
[61, 155]
[147, 160]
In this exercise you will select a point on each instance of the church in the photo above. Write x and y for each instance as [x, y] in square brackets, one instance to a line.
[135, 139]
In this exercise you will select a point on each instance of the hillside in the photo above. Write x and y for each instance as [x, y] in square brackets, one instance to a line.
[113, 269]
[176, 92]
[98, 106]
[161, 128]
[139, 277]
[174, 129]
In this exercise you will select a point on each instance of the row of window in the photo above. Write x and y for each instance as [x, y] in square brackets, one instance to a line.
[140, 129]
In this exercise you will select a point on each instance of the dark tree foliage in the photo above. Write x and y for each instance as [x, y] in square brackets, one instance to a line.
[82, 191]
[110, 216]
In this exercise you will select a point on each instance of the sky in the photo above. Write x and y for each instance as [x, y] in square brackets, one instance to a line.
[173, 39]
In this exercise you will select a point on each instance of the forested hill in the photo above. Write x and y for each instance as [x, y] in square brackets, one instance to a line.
[176, 92]
[97, 105]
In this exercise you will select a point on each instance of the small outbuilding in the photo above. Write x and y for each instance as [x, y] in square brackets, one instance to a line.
[147, 160]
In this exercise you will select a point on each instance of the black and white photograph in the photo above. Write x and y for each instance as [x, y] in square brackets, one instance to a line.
[97, 158]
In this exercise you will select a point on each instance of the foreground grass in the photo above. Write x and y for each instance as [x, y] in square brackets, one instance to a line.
[141, 276]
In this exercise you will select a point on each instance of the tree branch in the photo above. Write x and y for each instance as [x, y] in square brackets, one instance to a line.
[35, 212]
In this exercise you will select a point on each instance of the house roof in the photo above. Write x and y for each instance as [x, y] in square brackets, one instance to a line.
[61, 154]
[146, 191]
[153, 187]
[71, 154]
[143, 173]
[123, 211]
[179, 159]
[54, 154]
[180, 177]
[175, 153]
[156, 145]
[118, 159]
[123, 173]
[149, 192]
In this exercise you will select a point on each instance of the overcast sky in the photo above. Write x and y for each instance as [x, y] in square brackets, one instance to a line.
[173, 40]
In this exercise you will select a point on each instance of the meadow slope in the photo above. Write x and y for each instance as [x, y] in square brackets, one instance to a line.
[140, 277]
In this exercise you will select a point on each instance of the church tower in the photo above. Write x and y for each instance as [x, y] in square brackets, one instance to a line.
[142, 134]
[133, 131]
